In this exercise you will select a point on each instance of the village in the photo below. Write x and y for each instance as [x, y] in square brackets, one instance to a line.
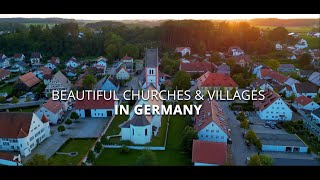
[281, 129]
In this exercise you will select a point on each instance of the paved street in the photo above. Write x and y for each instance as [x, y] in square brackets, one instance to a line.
[239, 149]
[22, 104]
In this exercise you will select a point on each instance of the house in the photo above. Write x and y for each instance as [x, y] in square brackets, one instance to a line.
[27, 81]
[293, 34]
[224, 69]
[215, 81]
[99, 69]
[163, 77]
[122, 73]
[289, 143]
[151, 71]
[299, 52]
[315, 78]
[292, 57]
[305, 88]
[259, 84]
[305, 103]
[55, 60]
[79, 83]
[183, 50]
[184, 60]
[22, 132]
[4, 74]
[52, 110]
[242, 60]
[211, 123]
[305, 73]
[286, 68]
[21, 66]
[301, 44]
[263, 73]
[272, 107]
[72, 62]
[58, 82]
[127, 61]
[3, 56]
[278, 47]
[110, 84]
[42, 71]
[95, 107]
[18, 57]
[102, 61]
[35, 58]
[8, 159]
[256, 67]
[51, 65]
[47, 78]
[4, 63]
[315, 116]
[71, 71]
[197, 67]
[205, 153]
[290, 81]
[139, 129]
[235, 51]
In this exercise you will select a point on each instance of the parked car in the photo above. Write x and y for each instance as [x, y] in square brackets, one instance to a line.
[272, 126]
[278, 126]
[69, 108]
[266, 125]
[250, 122]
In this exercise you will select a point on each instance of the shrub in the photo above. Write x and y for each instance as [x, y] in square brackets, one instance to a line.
[104, 140]
[98, 147]
[124, 150]
[91, 157]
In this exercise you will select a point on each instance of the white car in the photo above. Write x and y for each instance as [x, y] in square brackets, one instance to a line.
[70, 108]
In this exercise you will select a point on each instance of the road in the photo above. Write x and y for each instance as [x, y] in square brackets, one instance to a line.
[24, 104]
[239, 149]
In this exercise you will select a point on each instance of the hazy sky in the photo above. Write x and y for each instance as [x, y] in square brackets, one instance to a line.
[162, 16]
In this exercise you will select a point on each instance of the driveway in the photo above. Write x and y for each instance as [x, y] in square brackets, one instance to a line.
[82, 128]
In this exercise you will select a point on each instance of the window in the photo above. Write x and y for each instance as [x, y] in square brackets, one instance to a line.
[132, 131]
[207, 130]
[6, 143]
[201, 135]
[217, 131]
[211, 136]
[217, 137]
[212, 124]
[206, 135]
[146, 132]
[221, 137]
[212, 131]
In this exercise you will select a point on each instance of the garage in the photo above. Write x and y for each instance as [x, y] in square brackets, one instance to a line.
[87, 113]
[109, 113]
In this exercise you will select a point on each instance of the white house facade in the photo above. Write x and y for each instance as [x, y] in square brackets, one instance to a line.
[58, 82]
[52, 110]
[122, 73]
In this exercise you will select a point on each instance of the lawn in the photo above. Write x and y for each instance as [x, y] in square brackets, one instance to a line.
[114, 126]
[6, 88]
[81, 146]
[172, 156]
[313, 43]
[296, 29]
[27, 109]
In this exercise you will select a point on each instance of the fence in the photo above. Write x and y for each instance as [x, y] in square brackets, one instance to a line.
[153, 148]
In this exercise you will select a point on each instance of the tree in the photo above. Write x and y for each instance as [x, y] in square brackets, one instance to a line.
[278, 34]
[182, 81]
[124, 150]
[189, 121]
[215, 57]
[188, 135]
[98, 147]
[91, 157]
[61, 129]
[130, 50]
[3, 99]
[273, 64]
[244, 124]
[292, 97]
[74, 115]
[241, 116]
[104, 140]
[15, 100]
[260, 160]
[251, 136]
[316, 98]
[147, 158]
[68, 122]
[233, 91]
[231, 62]
[89, 81]
[37, 160]
[238, 78]
[305, 59]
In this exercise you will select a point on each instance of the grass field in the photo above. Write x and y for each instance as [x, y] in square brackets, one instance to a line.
[172, 156]
[27, 109]
[313, 43]
[114, 126]
[299, 29]
[6, 88]
[72, 145]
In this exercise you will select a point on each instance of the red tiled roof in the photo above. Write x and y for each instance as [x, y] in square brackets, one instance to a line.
[44, 119]
[278, 77]
[265, 72]
[53, 106]
[35, 55]
[209, 152]
[95, 104]
[17, 55]
[15, 124]
[270, 98]
[45, 70]
[216, 79]
[211, 112]
[303, 100]
[161, 74]
[121, 67]
[197, 67]
[179, 49]
[126, 58]
[7, 156]
[4, 73]
[29, 79]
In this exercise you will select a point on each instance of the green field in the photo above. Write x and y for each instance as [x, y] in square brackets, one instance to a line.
[313, 43]
[81, 146]
[299, 29]
[6, 88]
[26, 109]
[172, 156]
[114, 126]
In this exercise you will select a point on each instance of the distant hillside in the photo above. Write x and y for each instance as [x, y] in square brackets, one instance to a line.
[36, 20]
[100, 24]
[8, 26]
[284, 22]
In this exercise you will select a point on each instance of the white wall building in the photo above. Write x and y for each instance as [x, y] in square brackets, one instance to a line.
[122, 73]
[183, 50]
[151, 71]
[52, 110]
[305, 103]
[72, 63]
[305, 88]
[58, 82]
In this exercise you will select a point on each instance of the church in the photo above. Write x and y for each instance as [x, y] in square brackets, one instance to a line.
[150, 74]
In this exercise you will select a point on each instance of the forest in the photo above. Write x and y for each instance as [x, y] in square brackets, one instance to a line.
[115, 39]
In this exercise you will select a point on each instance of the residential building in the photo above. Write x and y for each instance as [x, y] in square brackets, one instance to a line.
[55, 60]
[315, 78]
[235, 51]
[3, 56]
[4, 63]
[8, 159]
[305, 73]
[4, 74]
[122, 73]
[51, 65]
[292, 57]
[242, 60]
[224, 69]
[27, 81]
[71, 71]
[305, 88]
[301, 44]
[211, 123]
[35, 58]
[139, 129]
[151, 71]
[58, 82]
[278, 47]
[215, 81]
[102, 61]
[289, 143]
[163, 77]
[312, 122]
[197, 67]
[21, 131]
[127, 61]
[95, 107]
[272, 107]
[305, 103]
[205, 153]
[260, 84]
[286, 68]
[42, 71]
[256, 68]
[18, 57]
[52, 110]
[21, 66]
[72, 62]
[183, 50]
[110, 84]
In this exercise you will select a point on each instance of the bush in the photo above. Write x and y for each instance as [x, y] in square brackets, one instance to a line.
[98, 147]
[244, 124]
[15, 100]
[104, 140]
[2, 99]
[74, 115]
[241, 116]
[68, 122]
[124, 150]
[91, 157]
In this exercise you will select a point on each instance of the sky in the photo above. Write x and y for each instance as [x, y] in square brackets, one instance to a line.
[161, 16]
